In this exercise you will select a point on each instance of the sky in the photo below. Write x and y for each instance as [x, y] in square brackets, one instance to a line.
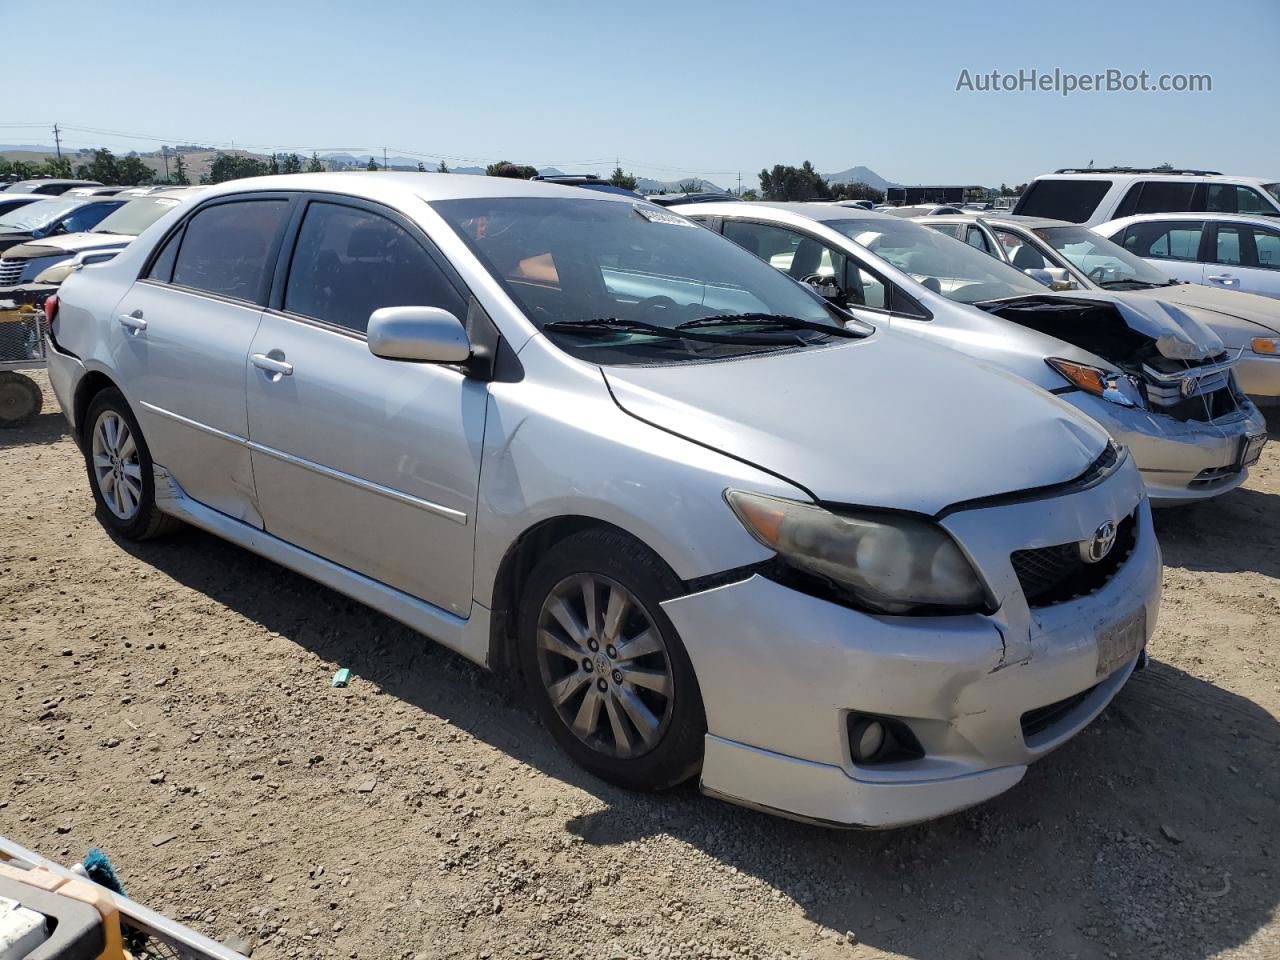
[674, 89]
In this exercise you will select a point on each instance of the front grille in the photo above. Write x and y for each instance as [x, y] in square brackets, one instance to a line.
[10, 271]
[1213, 476]
[1056, 574]
[1042, 718]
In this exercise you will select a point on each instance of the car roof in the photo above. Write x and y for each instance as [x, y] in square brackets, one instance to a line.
[819, 212]
[1249, 218]
[1027, 223]
[40, 181]
[1177, 177]
[389, 185]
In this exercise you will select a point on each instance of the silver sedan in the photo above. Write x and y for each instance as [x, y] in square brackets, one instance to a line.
[1150, 372]
[575, 435]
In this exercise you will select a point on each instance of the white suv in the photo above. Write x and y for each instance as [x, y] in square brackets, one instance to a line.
[1096, 196]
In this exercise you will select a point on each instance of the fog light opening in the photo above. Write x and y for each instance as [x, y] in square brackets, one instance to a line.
[877, 740]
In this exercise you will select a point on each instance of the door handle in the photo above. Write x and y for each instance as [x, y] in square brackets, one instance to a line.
[133, 321]
[272, 365]
[1226, 279]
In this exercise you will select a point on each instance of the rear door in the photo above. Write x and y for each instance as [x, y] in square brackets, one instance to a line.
[180, 338]
[1244, 257]
[371, 463]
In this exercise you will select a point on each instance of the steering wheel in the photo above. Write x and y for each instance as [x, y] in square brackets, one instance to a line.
[1097, 274]
[661, 302]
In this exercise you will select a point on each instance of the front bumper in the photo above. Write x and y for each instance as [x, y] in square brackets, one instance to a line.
[1258, 376]
[1181, 461]
[780, 671]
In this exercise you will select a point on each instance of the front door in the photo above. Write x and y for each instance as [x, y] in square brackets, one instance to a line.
[179, 339]
[371, 463]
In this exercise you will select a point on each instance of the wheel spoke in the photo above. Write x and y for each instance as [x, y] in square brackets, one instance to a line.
[110, 432]
[589, 594]
[656, 680]
[550, 642]
[621, 738]
[642, 644]
[646, 723]
[614, 614]
[588, 718]
[108, 483]
[567, 686]
[127, 447]
[101, 461]
[557, 607]
[133, 472]
[117, 494]
[127, 500]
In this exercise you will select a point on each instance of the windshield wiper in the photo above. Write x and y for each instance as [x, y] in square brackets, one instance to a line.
[1136, 284]
[604, 326]
[773, 321]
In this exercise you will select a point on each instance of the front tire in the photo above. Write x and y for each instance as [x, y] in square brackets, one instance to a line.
[605, 667]
[121, 472]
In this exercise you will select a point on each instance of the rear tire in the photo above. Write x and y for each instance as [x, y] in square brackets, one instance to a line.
[20, 400]
[608, 674]
[121, 472]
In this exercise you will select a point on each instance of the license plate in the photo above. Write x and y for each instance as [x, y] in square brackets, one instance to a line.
[1251, 449]
[1120, 643]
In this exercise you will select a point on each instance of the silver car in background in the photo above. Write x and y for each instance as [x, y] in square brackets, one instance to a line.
[1154, 376]
[1072, 256]
[717, 523]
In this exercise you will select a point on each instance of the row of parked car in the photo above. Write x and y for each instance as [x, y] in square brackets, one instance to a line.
[845, 513]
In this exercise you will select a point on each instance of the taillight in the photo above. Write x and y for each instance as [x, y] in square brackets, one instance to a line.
[51, 308]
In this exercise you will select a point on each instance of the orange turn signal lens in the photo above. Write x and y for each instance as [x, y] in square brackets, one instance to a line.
[1090, 379]
[1267, 345]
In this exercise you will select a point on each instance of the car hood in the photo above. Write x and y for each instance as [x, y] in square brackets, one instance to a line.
[72, 243]
[1213, 306]
[888, 421]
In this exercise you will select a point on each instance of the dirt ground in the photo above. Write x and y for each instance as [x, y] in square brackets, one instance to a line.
[170, 703]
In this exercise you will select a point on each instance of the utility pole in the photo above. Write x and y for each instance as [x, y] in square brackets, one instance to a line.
[57, 141]
[164, 152]
[739, 183]
[384, 158]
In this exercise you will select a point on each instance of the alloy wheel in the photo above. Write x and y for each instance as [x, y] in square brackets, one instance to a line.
[605, 666]
[116, 468]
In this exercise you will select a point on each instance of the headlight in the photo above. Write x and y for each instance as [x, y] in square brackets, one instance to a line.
[889, 562]
[1268, 345]
[55, 274]
[1115, 387]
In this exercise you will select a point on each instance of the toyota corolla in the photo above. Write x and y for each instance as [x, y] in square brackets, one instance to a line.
[718, 524]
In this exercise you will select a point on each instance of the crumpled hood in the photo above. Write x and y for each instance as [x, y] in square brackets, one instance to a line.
[889, 421]
[1210, 305]
[1178, 333]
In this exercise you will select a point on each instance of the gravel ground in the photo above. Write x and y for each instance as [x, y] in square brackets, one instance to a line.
[170, 702]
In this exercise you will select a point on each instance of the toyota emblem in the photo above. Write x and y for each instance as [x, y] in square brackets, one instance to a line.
[1096, 549]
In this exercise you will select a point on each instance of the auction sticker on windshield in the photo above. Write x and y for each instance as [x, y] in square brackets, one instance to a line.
[658, 215]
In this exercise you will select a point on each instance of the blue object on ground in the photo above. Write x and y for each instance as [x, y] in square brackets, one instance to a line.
[98, 866]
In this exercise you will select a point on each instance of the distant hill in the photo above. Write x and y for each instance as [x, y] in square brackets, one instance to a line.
[860, 175]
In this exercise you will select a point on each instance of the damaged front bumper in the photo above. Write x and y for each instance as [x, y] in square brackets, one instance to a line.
[781, 672]
[1181, 461]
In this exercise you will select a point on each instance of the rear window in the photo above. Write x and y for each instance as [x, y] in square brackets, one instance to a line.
[1070, 200]
[1161, 196]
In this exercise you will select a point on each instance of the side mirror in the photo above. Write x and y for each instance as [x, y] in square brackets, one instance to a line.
[418, 333]
[1040, 275]
[1061, 279]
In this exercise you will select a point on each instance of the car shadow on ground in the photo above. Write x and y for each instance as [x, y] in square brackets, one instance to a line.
[1237, 531]
[1153, 832]
[44, 428]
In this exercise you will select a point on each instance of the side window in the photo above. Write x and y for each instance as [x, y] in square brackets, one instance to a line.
[1021, 254]
[864, 289]
[1229, 198]
[1130, 202]
[226, 248]
[162, 265]
[86, 217]
[793, 253]
[949, 229]
[348, 262]
[1229, 247]
[1160, 196]
[1165, 239]
[976, 238]
[1268, 246]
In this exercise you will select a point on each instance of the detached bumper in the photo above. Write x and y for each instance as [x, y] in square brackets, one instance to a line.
[1181, 461]
[780, 671]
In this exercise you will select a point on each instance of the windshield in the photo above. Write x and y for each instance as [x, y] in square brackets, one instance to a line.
[135, 216]
[1273, 189]
[39, 214]
[939, 263]
[567, 262]
[1105, 263]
